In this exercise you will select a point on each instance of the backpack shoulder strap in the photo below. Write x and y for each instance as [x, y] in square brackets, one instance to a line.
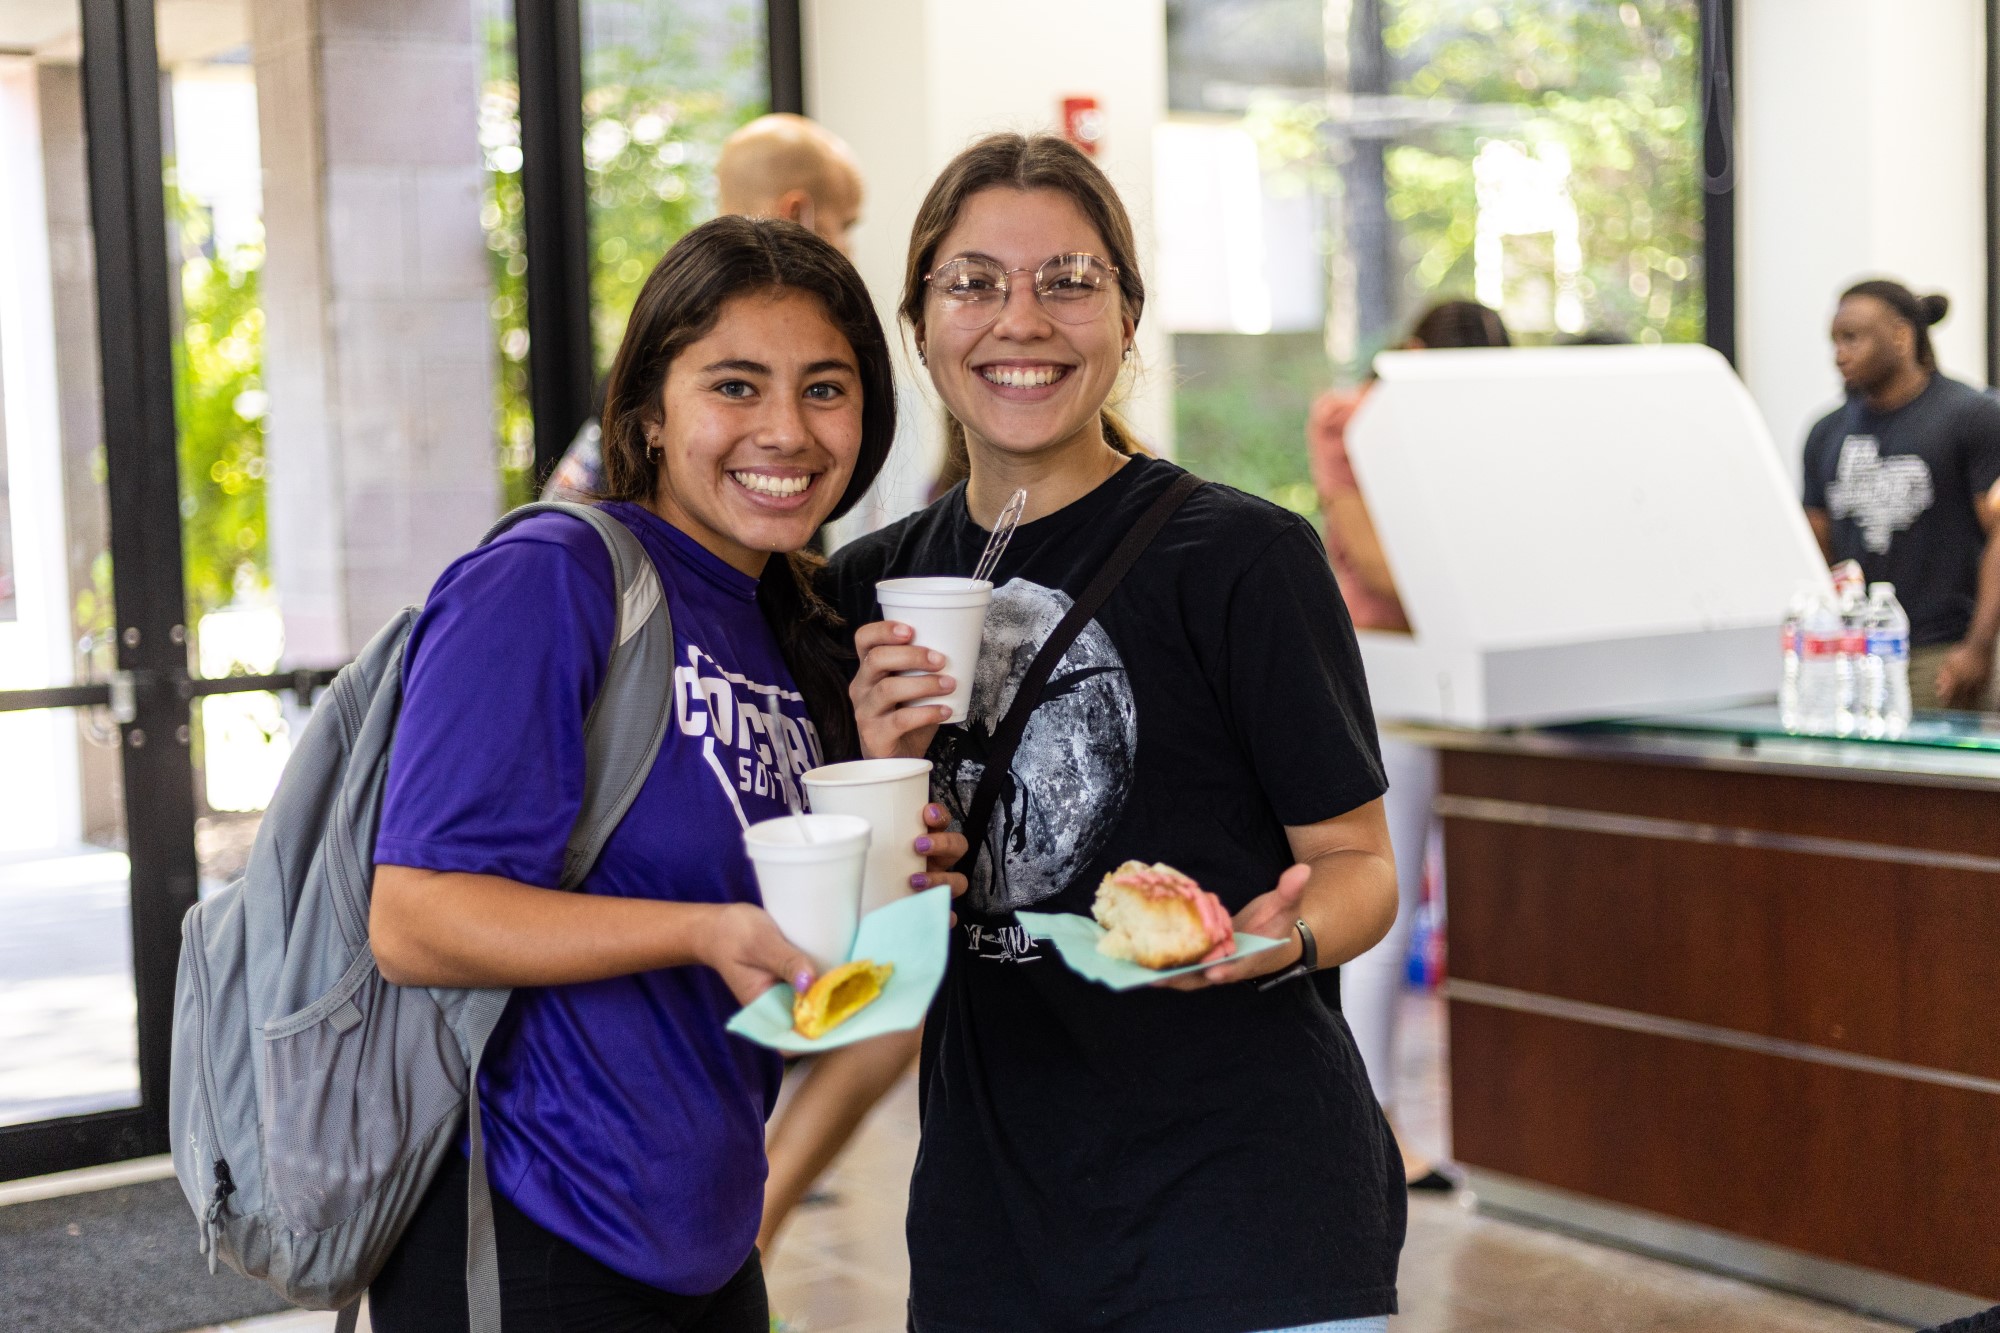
[1007, 736]
[628, 720]
[621, 738]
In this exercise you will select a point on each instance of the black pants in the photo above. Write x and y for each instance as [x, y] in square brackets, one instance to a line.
[547, 1285]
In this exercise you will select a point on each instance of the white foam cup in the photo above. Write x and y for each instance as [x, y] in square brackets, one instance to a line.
[812, 889]
[889, 794]
[949, 616]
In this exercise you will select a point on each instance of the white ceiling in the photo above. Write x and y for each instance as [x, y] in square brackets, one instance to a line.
[38, 27]
[186, 30]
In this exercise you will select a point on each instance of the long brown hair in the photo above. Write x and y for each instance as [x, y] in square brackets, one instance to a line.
[680, 304]
[1024, 162]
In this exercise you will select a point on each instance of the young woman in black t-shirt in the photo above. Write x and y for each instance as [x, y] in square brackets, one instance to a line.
[1202, 1155]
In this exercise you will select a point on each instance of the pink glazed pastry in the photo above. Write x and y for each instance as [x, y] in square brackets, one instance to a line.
[1159, 918]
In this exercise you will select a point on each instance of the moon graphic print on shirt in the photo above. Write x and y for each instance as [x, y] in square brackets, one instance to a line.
[1073, 768]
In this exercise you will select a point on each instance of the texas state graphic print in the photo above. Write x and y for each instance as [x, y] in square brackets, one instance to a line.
[1072, 772]
[1883, 495]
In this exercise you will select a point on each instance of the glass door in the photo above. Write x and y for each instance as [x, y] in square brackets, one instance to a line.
[95, 863]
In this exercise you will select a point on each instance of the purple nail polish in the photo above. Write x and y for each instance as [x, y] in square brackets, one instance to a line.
[923, 844]
[802, 982]
[920, 881]
[933, 813]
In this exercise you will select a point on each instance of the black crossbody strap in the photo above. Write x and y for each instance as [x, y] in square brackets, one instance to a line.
[1007, 737]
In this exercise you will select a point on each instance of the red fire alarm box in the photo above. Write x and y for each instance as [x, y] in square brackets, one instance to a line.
[1082, 123]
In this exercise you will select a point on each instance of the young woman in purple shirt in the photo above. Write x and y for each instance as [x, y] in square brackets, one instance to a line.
[750, 402]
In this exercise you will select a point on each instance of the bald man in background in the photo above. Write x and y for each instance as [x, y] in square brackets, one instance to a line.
[785, 166]
[777, 166]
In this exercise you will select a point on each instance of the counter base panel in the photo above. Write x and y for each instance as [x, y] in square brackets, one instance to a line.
[1756, 1004]
[1885, 1295]
[1853, 1165]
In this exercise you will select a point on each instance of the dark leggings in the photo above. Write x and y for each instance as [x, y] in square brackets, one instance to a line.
[547, 1285]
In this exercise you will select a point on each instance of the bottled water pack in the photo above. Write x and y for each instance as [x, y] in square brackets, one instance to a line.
[1846, 668]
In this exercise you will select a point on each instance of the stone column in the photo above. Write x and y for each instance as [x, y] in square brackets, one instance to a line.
[380, 445]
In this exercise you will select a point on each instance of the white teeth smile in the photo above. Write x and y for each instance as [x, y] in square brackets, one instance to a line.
[1023, 377]
[780, 487]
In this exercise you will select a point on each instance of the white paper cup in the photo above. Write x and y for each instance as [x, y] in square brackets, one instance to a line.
[812, 889]
[949, 616]
[889, 794]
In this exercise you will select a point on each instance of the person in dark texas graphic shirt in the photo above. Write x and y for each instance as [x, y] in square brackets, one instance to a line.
[750, 400]
[1201, 1155]
[1905, 478]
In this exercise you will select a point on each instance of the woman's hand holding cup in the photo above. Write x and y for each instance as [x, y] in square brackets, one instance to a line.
[893, 724]
[751, 954]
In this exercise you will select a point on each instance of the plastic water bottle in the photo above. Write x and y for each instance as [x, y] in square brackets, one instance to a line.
[1819, 688]
[1788, 647]
[1850, 659]
[1886, 673]
[1849, 583]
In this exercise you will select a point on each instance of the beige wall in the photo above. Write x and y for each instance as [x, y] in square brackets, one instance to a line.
[1862, 128]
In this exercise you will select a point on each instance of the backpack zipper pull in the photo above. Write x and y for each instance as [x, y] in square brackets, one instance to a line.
[212, 1219]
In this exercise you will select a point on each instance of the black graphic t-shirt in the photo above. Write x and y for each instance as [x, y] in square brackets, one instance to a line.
[1148, 1160]
[1903, 490]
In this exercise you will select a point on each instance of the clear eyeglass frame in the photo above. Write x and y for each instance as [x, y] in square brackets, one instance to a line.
[1072, 288]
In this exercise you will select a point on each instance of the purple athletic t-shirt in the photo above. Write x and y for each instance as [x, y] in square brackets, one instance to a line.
[619, 1114]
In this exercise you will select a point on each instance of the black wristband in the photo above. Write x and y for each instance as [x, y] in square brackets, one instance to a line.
[1308, 959]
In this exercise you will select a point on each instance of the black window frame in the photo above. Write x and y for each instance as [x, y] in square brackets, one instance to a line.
[1719, 156]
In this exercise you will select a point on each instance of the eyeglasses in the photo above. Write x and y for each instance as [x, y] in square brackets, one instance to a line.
[1072, 288]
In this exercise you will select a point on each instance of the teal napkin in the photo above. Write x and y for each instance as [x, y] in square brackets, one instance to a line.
[912, 933]
[1076, 937]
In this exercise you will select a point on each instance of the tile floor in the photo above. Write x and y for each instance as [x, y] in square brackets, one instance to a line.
[840, 1268]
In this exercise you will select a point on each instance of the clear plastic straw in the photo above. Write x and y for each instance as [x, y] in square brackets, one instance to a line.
[781, 750]
[1003, 532]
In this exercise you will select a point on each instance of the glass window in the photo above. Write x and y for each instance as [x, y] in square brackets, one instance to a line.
[663, 86]
[500, 214]
[1332, 169]
[215, 224]
[68, 1012]
[1559, 180]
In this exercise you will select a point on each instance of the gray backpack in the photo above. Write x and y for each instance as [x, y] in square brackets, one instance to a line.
[312, 1102]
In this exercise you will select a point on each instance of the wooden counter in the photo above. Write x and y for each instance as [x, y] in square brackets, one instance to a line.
[1736, 1004]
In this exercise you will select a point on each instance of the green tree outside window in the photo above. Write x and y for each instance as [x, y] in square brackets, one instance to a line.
[661, 93]
[1610, 88]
